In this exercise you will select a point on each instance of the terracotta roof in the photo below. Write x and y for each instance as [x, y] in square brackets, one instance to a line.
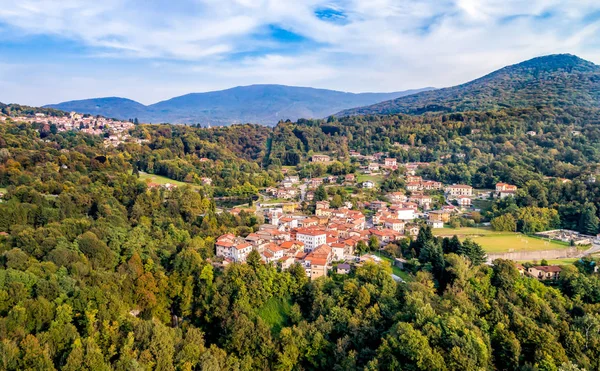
[243, 246]
[320, 261]
[548, 268]
[311, 232]
[274, 248]
[290, 244]
[323, 249]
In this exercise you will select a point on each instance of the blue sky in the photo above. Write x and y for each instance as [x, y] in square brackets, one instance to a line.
[57, 50]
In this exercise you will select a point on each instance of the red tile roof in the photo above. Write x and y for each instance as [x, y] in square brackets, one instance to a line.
[243, 246]
[548, 268]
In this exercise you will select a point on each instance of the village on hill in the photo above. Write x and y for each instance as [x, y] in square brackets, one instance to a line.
[114, 131]
[336, 239]
[304, 224]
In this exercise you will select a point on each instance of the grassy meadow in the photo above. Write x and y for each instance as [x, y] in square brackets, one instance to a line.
[500, 242]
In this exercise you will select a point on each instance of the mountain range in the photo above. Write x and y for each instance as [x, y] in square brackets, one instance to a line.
[261, 104]
[559, 80]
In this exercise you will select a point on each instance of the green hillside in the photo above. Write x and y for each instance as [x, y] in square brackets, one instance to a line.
[560, 80]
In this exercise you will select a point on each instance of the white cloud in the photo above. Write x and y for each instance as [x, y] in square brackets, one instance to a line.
[382, 45]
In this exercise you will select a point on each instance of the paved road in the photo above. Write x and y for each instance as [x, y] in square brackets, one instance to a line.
[592, 250]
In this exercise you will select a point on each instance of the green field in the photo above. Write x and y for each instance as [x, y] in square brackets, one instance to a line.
[500, 242]
[565, 261]
[378, 179]
[159, 179]
[275, 313]
[275, 201]
[3, 190]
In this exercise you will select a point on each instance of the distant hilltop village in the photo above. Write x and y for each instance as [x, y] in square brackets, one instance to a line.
[114, 131]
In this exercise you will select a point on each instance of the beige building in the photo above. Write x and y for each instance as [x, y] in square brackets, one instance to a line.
[459, 190]
[542, 272]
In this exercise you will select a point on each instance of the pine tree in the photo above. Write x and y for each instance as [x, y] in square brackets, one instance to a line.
[451, 245]
[425, 236]
[432, 254]
[588, 221]
[473, 251]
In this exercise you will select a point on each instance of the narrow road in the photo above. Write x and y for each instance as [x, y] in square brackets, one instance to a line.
[592, 250]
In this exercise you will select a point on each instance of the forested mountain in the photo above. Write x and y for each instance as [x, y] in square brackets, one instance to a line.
[112, 107]
[560, 80]
[259, 104]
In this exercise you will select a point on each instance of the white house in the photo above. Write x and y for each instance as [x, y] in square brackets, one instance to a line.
[368, 184]
[394, 224]
[390, 162]
[459, 190]
[373, 166]
[228, 246]
[435, 224]
[405, 213]
[241, 251]
[464, 201]
[311, 238]
[337, 250]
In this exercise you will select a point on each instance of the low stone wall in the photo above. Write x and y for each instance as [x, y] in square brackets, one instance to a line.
[571, 252]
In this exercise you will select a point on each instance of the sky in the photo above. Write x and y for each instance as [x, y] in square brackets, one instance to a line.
[150, 50]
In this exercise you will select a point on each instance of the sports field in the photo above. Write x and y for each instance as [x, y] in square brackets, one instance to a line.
[500, 242]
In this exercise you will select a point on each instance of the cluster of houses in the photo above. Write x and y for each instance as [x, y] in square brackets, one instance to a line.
[94, 125]
[463, 194]
[416, 183]
[316, 242]
[376, 162]
[287, 189]
[504, 190]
